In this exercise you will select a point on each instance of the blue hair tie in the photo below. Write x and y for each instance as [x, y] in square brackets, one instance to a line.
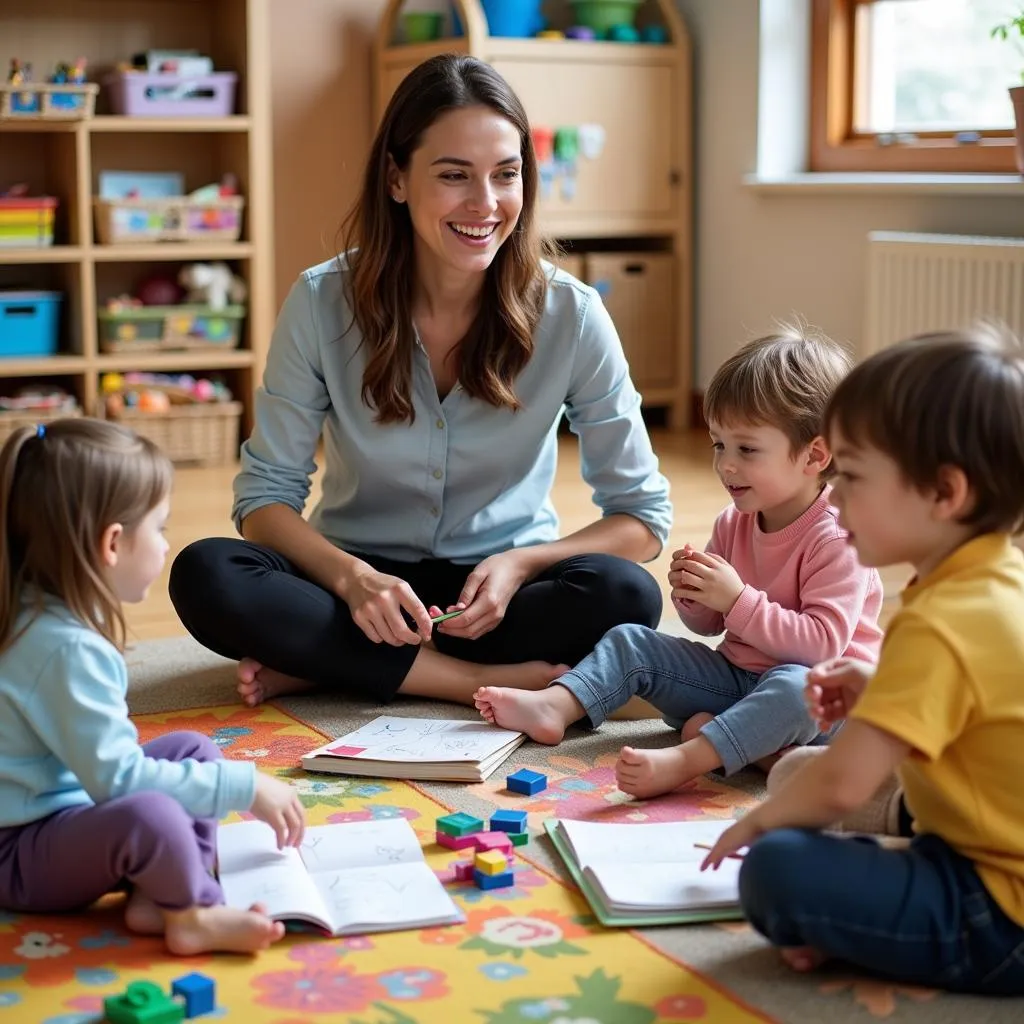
[40, 430]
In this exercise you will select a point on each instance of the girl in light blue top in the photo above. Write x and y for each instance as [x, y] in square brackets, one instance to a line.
[84, 809]
[435, 358]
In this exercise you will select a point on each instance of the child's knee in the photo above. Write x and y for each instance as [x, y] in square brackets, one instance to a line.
[770, 878]
[197, 745]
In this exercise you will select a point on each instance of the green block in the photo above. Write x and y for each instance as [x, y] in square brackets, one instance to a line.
[519, 838]
[143, 1002]
[459, 824]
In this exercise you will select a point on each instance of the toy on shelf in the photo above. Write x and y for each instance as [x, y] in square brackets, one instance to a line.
[35, 404]
[66, 96]
[192, 420]
[213, 285]
[156, 319]
[142, 207]
[171, 83]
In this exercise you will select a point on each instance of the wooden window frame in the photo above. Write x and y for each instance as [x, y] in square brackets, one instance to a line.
[835, 146]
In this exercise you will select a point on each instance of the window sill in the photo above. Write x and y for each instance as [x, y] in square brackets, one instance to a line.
[857, 183]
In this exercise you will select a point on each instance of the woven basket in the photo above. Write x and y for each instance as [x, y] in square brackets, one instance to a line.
[206, 434]
[12, 419]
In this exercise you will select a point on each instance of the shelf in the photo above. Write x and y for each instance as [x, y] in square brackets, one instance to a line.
[171, 252]
[543, 50]
[42, 366]
[171, 361]
[48, 254]
[111, 123]
[41, 125]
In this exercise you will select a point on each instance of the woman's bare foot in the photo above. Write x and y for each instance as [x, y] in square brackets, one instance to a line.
[543, 715]
[220, 929]
[257, 683]
[142, 915]
[802, 958]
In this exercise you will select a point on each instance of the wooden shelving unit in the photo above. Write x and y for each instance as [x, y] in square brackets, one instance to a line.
[628, 224]
[64, 158]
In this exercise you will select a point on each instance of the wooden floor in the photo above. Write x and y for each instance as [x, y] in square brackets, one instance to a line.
[202, 503]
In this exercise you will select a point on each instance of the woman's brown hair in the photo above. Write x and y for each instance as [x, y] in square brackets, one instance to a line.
[61, 486]
[378, 239]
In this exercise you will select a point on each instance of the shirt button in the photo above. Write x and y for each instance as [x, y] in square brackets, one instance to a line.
[434, 512]
[440, 424]
[438, 474]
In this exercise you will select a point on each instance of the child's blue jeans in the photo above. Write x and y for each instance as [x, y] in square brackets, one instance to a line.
[756, 714]
[919, 915]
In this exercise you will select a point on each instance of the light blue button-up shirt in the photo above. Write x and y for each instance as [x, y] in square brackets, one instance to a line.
[465, 480]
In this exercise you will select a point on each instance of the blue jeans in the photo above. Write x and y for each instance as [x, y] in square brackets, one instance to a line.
[755, 714]
[920, 915]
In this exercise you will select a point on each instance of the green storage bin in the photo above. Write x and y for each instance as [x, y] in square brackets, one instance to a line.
[151, 328]
[601, 15]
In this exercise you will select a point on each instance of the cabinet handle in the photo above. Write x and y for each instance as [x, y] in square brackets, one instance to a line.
[675, 177]
[634, 268]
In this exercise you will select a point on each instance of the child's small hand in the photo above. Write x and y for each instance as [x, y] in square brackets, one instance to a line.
[708, 579]
[679, 567]
[733, 839]
[834, 687]
[279, 806]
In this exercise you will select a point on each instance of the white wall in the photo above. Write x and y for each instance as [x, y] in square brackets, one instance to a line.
[760, 257]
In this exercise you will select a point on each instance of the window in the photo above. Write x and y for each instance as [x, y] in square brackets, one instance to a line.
[912, 85]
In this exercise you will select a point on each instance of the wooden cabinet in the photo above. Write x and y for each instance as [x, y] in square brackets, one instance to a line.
[628, 208]
[65, 159]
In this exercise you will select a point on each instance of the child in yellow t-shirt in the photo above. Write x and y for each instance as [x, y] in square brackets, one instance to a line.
[928, 442]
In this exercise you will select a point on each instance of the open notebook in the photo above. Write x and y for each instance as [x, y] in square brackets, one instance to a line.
[648, 874]
[348, 878]
[417, 748]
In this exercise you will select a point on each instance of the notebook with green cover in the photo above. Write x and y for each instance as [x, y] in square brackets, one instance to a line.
[648, 874]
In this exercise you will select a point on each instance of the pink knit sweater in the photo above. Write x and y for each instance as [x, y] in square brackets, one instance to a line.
[806, 597]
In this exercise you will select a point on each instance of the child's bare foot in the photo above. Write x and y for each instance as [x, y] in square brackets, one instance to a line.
[257, 683]
[142, 915]
[530, 675]
[543, 715]
[647, 773]
[220, 929]
[802, 958]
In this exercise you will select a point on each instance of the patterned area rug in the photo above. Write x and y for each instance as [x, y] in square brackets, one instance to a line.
[528, 954]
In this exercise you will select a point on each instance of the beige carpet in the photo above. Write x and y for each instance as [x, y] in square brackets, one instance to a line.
[177, 673]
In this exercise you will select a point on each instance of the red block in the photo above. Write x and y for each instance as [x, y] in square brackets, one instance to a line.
[493, 841]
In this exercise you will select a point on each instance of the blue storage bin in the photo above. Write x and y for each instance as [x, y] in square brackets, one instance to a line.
[29, 323]
[513, 19]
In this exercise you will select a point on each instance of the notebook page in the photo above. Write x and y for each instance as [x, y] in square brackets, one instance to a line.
[387, 898]
[253, 870]
[661, 842]
[667, 886]
[359, 844]
[389, 738]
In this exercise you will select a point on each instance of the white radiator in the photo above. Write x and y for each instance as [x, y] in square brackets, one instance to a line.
[918, 282]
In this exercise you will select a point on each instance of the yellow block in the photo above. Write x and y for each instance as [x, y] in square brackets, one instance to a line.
[493, 862]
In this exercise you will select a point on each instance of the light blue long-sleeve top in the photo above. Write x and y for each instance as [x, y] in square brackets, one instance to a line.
[65, 735]
[465, 480]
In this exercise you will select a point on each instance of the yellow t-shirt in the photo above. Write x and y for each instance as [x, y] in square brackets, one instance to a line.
[950, 682]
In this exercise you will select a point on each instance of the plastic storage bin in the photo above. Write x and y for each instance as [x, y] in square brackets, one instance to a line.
[29, 323]
[601, 15]
[145, 94]
[511, 19]
[170, 327]
[27, 223]
[181, 219]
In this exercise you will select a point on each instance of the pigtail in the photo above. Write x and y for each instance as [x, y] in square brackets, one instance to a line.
[10, 558]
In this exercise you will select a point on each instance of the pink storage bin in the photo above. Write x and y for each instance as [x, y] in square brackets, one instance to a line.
[141, 94]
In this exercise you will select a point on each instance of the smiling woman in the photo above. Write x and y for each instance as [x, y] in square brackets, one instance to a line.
[436, 355]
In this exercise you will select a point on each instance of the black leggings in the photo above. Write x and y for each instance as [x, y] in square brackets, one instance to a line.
[243, 600]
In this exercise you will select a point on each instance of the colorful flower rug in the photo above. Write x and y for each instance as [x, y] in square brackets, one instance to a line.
[531, 954]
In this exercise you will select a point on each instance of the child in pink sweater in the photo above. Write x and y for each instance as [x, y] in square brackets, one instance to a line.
[777, 576]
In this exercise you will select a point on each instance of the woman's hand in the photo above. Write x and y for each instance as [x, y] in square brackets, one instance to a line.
[705, 578]
[733, 839]
[485, 595]
[376, 601]
[834, 686]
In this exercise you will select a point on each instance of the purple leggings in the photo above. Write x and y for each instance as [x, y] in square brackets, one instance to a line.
[147, 840]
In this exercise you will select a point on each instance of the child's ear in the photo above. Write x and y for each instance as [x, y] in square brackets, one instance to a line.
[953, 495]
[817, 456]
[110, 544]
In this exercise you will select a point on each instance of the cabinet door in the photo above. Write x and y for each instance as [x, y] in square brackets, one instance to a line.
[638, 290]
[633, 176]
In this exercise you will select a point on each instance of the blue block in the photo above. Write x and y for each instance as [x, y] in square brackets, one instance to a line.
[503, 881]
[508, 821]
[527, 782]
[198, 991]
